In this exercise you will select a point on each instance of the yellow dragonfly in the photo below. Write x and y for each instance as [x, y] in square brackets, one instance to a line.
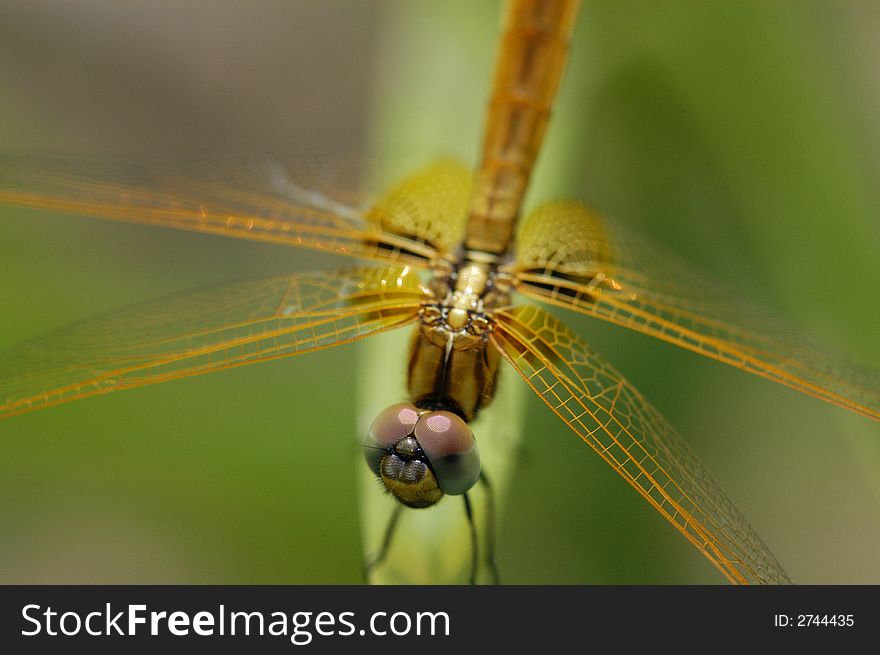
[452, 254]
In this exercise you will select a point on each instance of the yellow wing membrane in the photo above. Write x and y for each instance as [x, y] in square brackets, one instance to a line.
[206, 330]
[632, 437]
[291, 203]
[570, 257]
[429, 206]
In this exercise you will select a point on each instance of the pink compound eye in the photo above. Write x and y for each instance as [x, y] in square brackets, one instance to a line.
[393, 424]
[449, 445]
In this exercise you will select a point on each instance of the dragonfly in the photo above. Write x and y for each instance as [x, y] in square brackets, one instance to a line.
[451, 260]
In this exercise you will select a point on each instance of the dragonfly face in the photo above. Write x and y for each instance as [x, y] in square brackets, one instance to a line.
[421, 454]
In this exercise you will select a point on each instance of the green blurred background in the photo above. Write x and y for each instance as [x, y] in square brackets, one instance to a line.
[742, 134]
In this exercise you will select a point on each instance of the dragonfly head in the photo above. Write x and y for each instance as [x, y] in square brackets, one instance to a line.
[420, 455]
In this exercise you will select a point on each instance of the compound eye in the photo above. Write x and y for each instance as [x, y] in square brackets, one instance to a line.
[392, 425]
[449, 445]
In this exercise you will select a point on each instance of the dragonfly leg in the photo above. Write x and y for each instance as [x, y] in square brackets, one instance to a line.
[474, 549]
[377, 560]
[490, 529]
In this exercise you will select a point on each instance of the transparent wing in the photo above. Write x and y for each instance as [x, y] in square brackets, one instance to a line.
[206, 330]
[633, 438]
[571, 257]
[305, 204]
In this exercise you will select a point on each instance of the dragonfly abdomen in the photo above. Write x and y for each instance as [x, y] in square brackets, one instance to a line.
[530, 63]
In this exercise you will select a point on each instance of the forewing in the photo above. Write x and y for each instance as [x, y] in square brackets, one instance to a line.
[206, 330]
[598, 404]
[570, 257]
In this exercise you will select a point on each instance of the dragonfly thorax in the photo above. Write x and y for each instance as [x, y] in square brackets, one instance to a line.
[451, 364]
[465, 293]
